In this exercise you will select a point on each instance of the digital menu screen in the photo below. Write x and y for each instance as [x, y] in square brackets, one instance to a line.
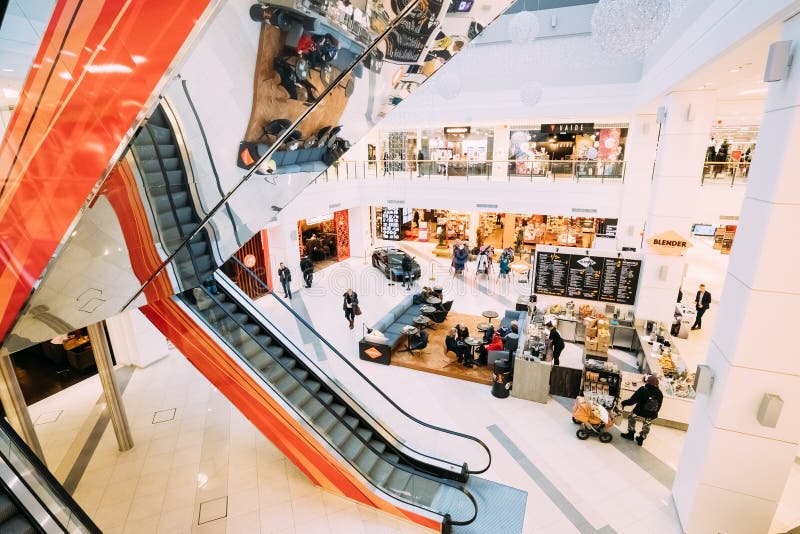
[620, 280]
[551, 273]
[390, 226]
[584, 277]
[581, 276]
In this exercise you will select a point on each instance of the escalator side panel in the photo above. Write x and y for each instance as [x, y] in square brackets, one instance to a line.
[255, 403]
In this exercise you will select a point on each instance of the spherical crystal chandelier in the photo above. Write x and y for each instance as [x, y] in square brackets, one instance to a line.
[531, 93]
[627, 28]
[524, 27]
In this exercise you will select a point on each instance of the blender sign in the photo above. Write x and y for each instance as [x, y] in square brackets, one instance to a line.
[669, 243]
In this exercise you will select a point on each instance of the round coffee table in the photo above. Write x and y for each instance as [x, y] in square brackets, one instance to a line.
[409, 331]
[427, 309]
[421, 321]
[489, 314]
[483, 327]
[435, 300]
[473, 343]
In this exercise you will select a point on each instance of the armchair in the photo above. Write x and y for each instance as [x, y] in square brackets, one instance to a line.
[417, 342]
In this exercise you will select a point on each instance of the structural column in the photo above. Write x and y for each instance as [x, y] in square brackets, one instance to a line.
[640, 158]
[105, 369]
[502, 140]
[14, 405]
[679, 163]
[736, 460]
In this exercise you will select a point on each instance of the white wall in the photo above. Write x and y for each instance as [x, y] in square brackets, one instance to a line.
[134, 339]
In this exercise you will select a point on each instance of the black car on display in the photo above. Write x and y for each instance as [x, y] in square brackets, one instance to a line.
[390, 261]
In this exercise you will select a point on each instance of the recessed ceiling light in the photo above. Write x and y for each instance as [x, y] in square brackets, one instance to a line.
[9, 92]
[737, 69]
[8, 70]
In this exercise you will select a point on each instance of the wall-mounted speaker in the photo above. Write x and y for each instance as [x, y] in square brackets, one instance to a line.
[769, 411]
[703, 380]
[778, 61]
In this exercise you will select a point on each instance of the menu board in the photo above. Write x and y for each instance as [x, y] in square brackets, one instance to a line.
[584, 277]
[391, 223]
[551, 273]
[406, 42]
[620, 280]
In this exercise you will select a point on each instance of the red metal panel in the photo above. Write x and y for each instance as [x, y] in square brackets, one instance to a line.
[263, 411]
[98, 63]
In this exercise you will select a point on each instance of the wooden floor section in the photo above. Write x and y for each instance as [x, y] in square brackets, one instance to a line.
[270, 100]
[433, 358]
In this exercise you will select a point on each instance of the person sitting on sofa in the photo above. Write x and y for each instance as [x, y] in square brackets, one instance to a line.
[423, 296]
[453, 344]
[483, 350]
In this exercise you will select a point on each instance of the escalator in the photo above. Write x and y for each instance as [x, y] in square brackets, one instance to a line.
[388, 463]
[31, 499]
[162, 167]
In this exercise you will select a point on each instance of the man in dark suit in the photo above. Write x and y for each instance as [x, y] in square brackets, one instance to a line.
[701, 303]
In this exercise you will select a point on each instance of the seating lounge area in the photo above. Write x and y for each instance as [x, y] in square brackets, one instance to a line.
[412, 335]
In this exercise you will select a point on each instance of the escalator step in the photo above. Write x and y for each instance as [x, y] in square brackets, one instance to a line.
[381, 473]
[7, 508]
[352, 447]
[261, 360]
[299, 398]
[263, 340]
[252, 328]
[17, 525]
[366, 460]
[313, 408]
[339, 435]
[326, 398]
[286, 384]
[289, 362]
[399, 480]
[325, 422]
[301, 375]
[276, 352]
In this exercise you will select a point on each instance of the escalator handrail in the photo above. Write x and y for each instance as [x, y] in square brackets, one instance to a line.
[458, 469]
[364, 377]
[48, 479]
[281, 138]
[304, 385]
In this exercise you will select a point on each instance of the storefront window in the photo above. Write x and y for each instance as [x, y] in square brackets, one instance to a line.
[568, 142]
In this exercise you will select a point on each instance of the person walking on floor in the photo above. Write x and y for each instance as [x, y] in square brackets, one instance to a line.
[701, 303]
[350, 306]
[285, 276]
[556, 342]
[647, 400]
[407, 265]
[307, 268]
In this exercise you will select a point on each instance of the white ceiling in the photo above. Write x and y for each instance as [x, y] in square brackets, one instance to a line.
[20, 35]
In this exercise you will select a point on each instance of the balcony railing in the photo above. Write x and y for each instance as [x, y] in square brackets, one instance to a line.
[731, 172]
[521, 171]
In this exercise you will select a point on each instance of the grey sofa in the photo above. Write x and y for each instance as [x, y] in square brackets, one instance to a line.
[392, 323]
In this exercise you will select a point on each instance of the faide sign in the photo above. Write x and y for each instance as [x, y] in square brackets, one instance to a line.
[669, 243]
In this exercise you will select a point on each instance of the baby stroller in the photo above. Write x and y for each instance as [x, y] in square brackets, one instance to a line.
[594, 419]
[483, 266]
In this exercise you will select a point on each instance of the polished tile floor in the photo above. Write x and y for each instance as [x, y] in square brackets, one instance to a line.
[200, 466]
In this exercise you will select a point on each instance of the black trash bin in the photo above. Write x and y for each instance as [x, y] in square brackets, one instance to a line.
[501, 379]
